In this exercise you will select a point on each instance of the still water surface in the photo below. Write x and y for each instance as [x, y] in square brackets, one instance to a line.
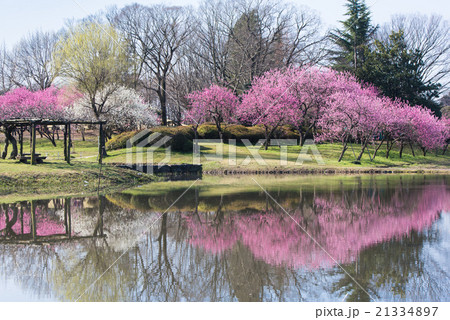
[225, 239]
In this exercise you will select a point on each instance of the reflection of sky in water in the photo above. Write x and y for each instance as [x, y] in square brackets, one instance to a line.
[393, 240]
[12, 291]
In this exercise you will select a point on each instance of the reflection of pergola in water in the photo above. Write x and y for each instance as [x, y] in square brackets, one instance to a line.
[34, 238]
[22, 124]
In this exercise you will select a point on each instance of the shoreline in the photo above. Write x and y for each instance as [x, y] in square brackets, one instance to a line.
[22, 186]
[327, 171]
[37, 185]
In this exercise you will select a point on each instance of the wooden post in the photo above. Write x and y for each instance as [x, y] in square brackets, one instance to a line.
[31, 136]
[21, 140]
[65, 142]
[69, 142]
[33, 143]
[33, 219]
[100, 144]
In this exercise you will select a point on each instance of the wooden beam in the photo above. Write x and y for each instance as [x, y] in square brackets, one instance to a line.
[33, 144]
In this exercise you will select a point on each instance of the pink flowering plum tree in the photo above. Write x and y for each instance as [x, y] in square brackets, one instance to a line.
[195, 117]
[350, 115]
[411, 125]
[216, 104]
[22, 103]
[429, 131]
[311, 87]
[268, 103]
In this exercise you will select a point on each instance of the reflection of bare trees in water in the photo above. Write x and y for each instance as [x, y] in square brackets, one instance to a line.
[188, 255]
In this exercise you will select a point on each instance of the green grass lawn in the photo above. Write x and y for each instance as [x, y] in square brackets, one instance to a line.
[85, 154]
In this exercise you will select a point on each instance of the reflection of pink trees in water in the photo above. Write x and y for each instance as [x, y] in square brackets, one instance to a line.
[343, 224]
[221, 236]
[46, 224]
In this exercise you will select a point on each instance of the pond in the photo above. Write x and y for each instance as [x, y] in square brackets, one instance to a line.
[262, 238]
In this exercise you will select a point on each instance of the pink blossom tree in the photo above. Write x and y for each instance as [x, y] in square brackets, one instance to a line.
[22, 103]
[311, 87]
[353, 113]
[195, 117]
[216, 104]
[268, 103]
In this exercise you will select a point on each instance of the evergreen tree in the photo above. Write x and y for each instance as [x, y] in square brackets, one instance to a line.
[353, 39]
[394, 70]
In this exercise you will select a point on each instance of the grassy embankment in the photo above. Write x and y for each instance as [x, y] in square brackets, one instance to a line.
[55, 177]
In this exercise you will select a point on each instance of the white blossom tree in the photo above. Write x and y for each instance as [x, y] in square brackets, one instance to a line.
[124, 110]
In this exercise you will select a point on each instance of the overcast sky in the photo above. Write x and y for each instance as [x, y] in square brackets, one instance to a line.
[19, 17]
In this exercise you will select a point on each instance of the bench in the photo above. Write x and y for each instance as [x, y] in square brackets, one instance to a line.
[26, 156]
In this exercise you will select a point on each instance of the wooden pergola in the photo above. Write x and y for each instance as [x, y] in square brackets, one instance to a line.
[32, 236]
[33, 123]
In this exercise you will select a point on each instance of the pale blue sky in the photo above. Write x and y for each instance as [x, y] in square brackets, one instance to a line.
[19, 17]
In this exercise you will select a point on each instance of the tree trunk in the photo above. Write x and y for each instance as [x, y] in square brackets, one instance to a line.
[219, 130]
[363, 148]
[266, 143]
[412, 149]
[83, 138]
[445, 149]
[13, 141]
[5, 149]
[401, 149]
[163, 101]
[302, 139]
[389, 147]
[344, 148]
[377, 148]
[424, 150]
[102, 134]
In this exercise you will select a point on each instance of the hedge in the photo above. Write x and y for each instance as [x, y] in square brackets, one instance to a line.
[183, 136]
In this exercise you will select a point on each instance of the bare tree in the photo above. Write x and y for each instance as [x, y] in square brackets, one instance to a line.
[155, 35]
[241, 39]
[190, 74]
[430, 36]
[32, 59]
[7, 71]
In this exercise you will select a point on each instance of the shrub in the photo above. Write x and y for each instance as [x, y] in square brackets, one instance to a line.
[171, 131]
[287, 132]
[208, 131]
[119, 141]
[181, 143]
[240, 132]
